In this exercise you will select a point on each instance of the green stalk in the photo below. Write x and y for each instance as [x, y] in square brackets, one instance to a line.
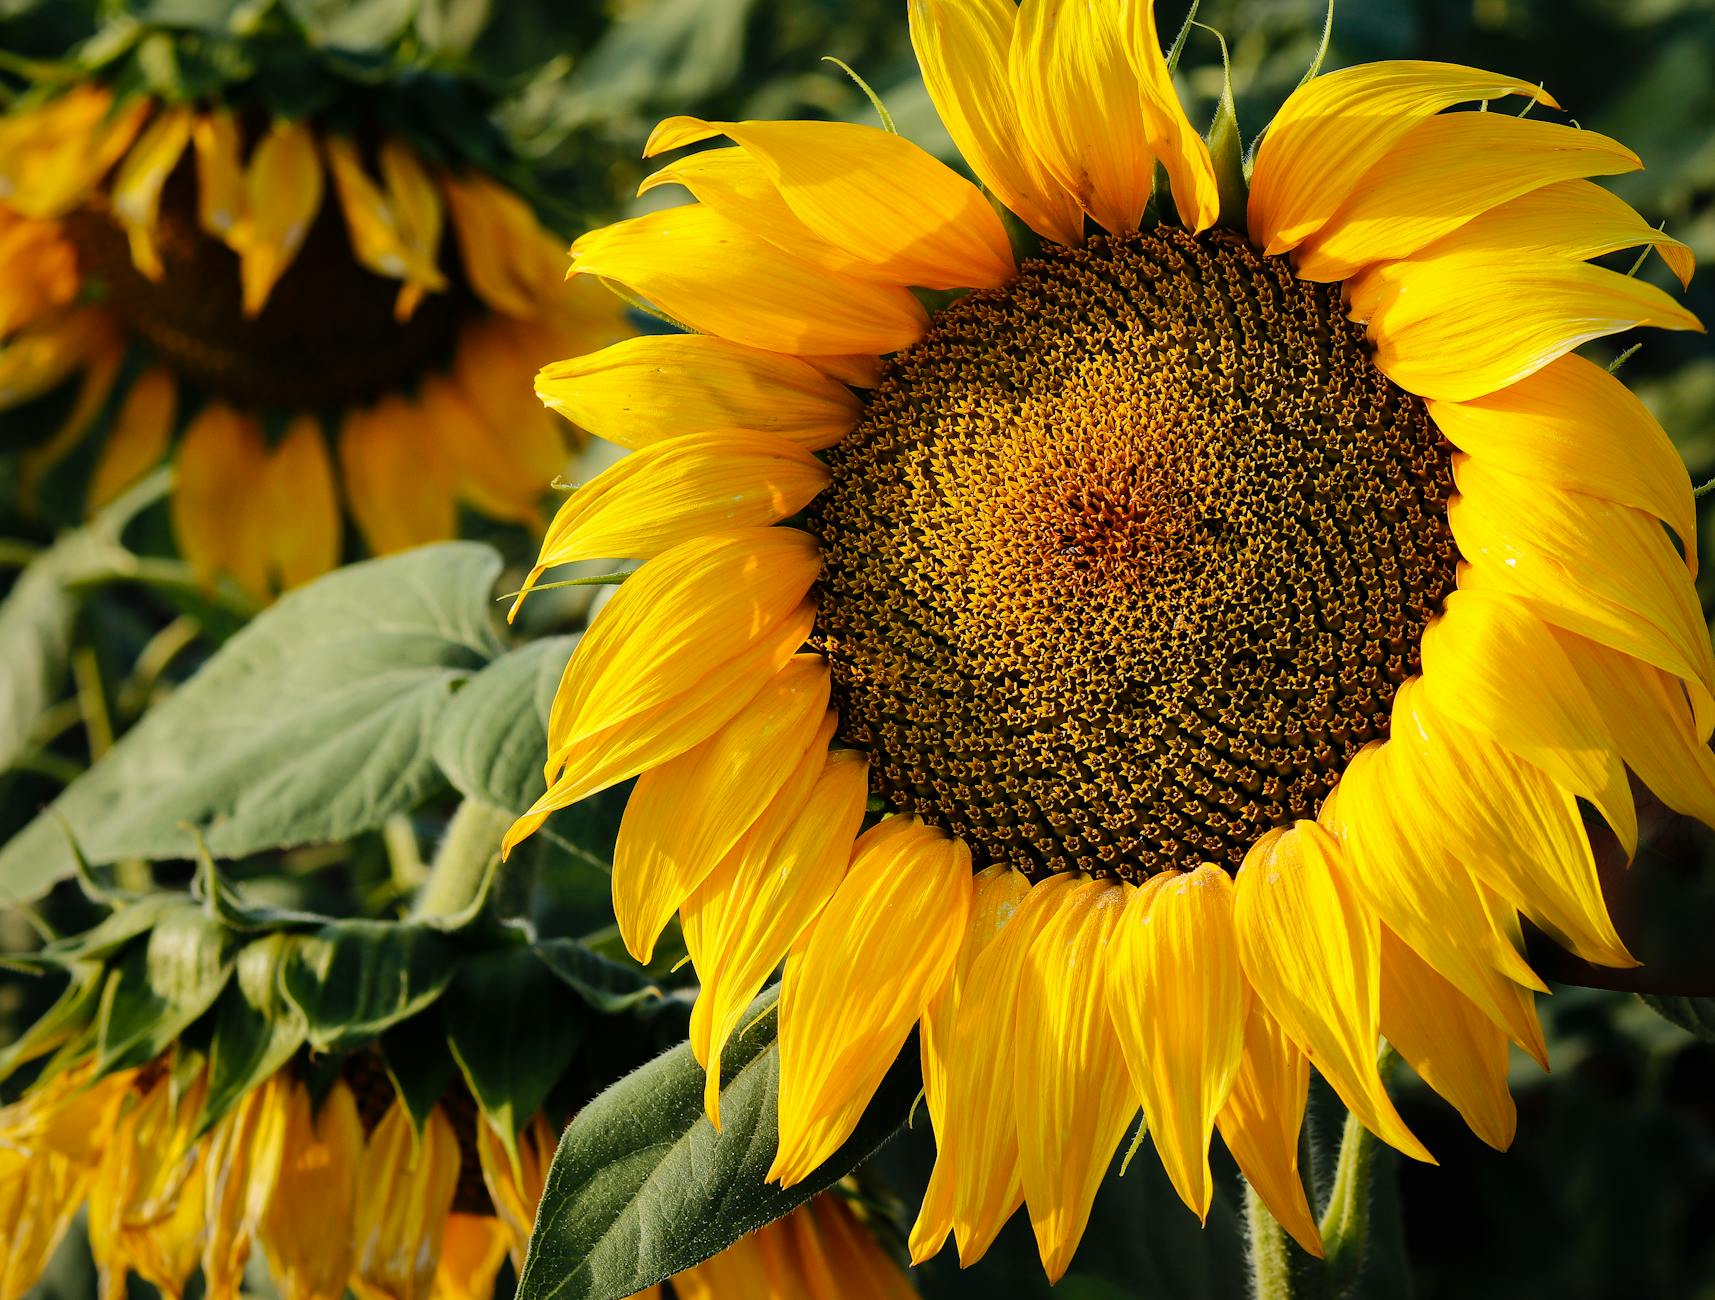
[464, 863]
[1346, 1221]
[1279, 1269]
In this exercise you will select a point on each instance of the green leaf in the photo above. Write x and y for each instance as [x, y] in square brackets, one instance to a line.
[492, 737]
[642, 1185]
[353, 979]
[510, 1031]
[607, 986]
[1694, 1015]
[312, 724]
[160, 986]
[115, 931]
[256, 1028]
[419, 1064]
[71, 1012]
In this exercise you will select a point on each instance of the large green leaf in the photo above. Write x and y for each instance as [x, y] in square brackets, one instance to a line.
[353, 979]
[493, 737]
[314, 723]
[161, 985]
[256, 1027]
[642, 1186]
[1694, 1015]
[512, 1030]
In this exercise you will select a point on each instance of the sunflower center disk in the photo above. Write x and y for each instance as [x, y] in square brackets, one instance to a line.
[1127, 559]
[326, 336]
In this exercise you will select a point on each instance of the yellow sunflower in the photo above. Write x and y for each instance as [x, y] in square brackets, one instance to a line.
[300, 307]
[339, 1189]
[1229, 605]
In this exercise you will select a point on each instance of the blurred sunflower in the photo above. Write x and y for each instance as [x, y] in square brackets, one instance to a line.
[1232, 602]
[289, 299]
[340, 1189]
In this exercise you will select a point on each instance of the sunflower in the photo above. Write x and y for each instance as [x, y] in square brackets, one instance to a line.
[1232, 603]
[291, 303]
[339, 1188]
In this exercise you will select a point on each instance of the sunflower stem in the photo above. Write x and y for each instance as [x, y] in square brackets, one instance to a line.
[1346, 1220]
[463, 870]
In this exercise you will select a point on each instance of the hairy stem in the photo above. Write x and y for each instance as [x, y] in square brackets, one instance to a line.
[462, 864]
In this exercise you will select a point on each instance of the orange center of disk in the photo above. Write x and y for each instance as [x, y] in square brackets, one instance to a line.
[1126, 559]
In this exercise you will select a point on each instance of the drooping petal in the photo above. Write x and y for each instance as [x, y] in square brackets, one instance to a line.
[643, 390]
[1072, 1098]
[221, 460]
[1179, 1003]
[1517, 831]
[1545, 715]
[1443, 172]
[399, 485]
[1590, 566]
[138, 437]
[473, 1247]
[300, 505]
[872, 194]
[677, 489]
[686, 816]
[1459, 325]
[1172, 139]
[1334, 128]
[282, 194]
[405, 1189]
[220, 173]
[516, 1190]
[1311, 952]
[745, 917]
[386, 227]
[245, 1151]
[307, 1229]
[524, 443]
[1429, 900]
[1260, 1124]
[136, 197]
[1574, 425]
[1080, 107]
[417, 216]
[721, 279]
[963, 48]
[877, 956]
[1455, 1048]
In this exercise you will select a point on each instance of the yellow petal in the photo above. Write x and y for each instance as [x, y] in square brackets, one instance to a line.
[220, 462]
[837, 1257]
[487, 472]
[306, 1231]
[1647, 714]
[997, 894]
[678, 489]
[282, 194]
[39, 1197]
[507, 256]
[1475, 672]
[1311, 953]
[1080, 107]
[743, 919]
[138, 437]
[1333, 129]
[1443, 172]
[1260, 1124]
[405, 1189]
[1172, 139]
[516, 1190]
[300, 506]
[45, 353]
[666, 730]
[1590, 566]
[871, 194]
[136, 197]
[687, 815]
[1574, 425]
[38, 270]
[1429, 900]
[1072, 1099]
[245, 1150]
[877, 956]
[643, 390]
[492, 371]
[385, 228]
[417, 215]
[1454, 1047]
[963, 48]
[220, 173]
[398, 484]
[1458, 325]
[1179, 1003]
[721, 279]
[53, 156]
[1518, 831]
[978, 1139]
[473, 1248]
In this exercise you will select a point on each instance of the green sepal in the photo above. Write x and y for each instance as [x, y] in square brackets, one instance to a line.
[221, 900]
[1227, 153]
[643, 1187]
[513, 1033]
[72, 1013]
[354, 979]
[419, 1064]
[115, 931]
[606, 986]
[160, 986]
[257, 1029]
